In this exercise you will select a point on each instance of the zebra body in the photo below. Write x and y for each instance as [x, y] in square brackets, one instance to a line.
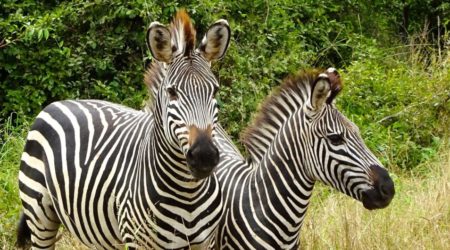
[298, 138]
[111, 196]
[117, 177]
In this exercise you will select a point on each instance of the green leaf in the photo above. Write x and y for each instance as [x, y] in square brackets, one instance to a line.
[40, 33]
[46, 34]
[30, 33]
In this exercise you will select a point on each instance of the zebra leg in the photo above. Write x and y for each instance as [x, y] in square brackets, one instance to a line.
[37, 226]
[23, 233]
[39, 222]
[26, 238]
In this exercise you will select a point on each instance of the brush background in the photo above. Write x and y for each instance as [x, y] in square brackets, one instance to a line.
[393, 56]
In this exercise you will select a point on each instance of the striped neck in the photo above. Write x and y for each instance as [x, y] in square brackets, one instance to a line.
[283, 182]
[279, 152]
[278, 108]
[163, 197]
[169, 161]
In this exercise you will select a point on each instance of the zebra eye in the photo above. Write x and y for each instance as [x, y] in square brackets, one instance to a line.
[336, 139]
[172, 93]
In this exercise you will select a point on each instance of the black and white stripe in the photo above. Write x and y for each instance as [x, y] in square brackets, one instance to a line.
[117, 177]
[299, 137]
[112, 180]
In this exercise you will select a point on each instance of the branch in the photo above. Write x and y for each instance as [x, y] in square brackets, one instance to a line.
[267, 12]
[400, 112]
[4, 43]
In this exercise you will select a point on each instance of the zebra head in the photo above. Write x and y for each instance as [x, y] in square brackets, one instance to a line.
[341, 158]
[186, 95]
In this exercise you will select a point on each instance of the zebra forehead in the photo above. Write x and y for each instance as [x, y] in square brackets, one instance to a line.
[196, 77]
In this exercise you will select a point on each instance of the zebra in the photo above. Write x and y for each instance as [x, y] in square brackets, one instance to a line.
[298, 137]
[116, 177]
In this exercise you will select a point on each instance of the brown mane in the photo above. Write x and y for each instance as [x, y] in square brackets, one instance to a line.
[153, 77]
[293, 86]
[185, 41]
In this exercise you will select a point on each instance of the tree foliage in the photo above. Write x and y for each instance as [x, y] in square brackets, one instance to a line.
[53, 50]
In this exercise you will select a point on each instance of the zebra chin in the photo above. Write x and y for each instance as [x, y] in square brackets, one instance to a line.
[202, 170]
[201, 174]
[382, 192]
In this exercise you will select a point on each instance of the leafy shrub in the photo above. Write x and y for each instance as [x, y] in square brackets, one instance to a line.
[70, 50]
[402, 108]
[53, 50]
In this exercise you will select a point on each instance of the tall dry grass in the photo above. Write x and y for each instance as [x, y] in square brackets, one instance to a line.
[417, 218]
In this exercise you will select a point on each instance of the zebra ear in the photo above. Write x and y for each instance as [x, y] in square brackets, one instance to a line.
[321, 91]
[216, 40]
[159, 42]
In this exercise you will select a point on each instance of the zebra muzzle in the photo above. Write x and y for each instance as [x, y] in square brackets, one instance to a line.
[382, 192]
[202, 156]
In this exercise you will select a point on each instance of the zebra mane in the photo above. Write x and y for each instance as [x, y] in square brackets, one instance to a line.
[183, 34]
[278, 107]
[153, 78]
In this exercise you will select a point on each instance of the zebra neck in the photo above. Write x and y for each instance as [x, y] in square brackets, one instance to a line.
[282, 182]
[169, 163]
[159, 199]
[275, 114]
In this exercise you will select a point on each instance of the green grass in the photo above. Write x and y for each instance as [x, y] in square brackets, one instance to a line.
[10, 152]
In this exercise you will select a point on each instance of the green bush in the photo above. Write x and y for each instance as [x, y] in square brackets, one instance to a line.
[71, 50]
[402, 108]
[52, 50]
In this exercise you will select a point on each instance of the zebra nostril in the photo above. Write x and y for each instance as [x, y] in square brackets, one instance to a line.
[383, 190]
[216, 152]
[215, 156]
[386, 188]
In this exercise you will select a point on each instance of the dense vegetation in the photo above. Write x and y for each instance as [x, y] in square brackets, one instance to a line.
[397, 82]
[393, 55]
